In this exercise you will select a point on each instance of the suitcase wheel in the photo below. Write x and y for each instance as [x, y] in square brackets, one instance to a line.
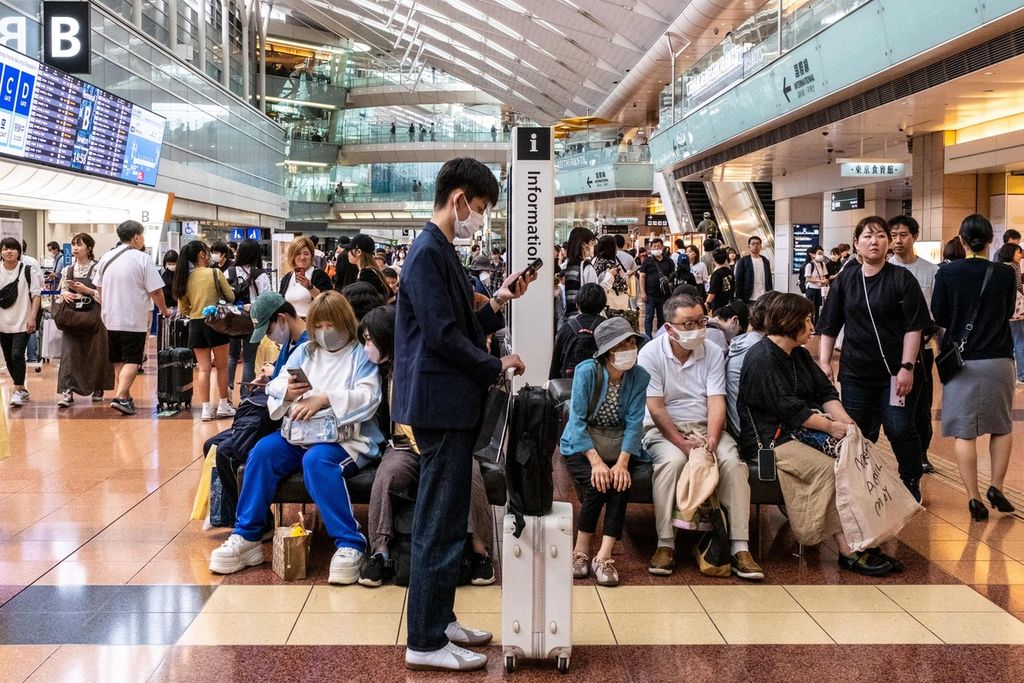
[510, 663]
[563, 664]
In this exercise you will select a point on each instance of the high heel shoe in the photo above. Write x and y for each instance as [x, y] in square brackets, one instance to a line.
[998, 500]
[979, 513]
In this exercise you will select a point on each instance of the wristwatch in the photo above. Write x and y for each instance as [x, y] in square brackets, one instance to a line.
[907, 366]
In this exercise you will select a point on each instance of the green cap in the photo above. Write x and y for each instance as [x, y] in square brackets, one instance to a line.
[262, 310]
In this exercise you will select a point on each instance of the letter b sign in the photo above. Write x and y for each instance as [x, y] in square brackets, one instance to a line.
[66, 33]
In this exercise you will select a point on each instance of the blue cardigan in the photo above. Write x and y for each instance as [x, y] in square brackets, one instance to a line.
[632, 402]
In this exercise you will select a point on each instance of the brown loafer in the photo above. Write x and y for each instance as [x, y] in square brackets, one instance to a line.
[744, 566]
[663, 562]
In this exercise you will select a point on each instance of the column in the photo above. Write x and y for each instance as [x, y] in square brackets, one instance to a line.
[941, 201]
[807, 209]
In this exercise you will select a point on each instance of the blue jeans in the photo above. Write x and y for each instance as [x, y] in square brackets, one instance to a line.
[239, 346]
[869, 407]
[438, 532]
[1017, 330]
[652, 308]
[32, 347]
[324, 467]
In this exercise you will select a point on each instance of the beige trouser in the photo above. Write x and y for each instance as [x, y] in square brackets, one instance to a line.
[808, 480]
[733, 485]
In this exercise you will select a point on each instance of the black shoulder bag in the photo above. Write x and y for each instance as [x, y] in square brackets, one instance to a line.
[950, 362]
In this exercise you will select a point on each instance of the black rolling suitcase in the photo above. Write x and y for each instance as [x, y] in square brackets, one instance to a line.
[174, 365]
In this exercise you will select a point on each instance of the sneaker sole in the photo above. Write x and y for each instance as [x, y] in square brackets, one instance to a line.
[370, 583]
[484, 582]
[660, 572]
[124, 410]
[248, 560]
[749, 576]
[473, 643]
[343, 578]
[433, 667]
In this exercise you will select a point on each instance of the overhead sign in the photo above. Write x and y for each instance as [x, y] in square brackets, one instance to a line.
[656, 220]
[805, 236]
[66, 34]
[848, 200]
[50, 117]
[872, 169]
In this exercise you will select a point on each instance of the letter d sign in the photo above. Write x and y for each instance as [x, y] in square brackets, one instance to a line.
[66, 33]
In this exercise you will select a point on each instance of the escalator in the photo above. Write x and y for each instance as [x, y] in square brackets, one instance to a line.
[697, 201]
[742, 211]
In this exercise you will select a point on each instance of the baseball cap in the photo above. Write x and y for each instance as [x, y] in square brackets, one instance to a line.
[261, 311]
[363, 242]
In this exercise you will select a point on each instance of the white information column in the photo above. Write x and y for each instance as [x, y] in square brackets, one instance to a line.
[531, 235]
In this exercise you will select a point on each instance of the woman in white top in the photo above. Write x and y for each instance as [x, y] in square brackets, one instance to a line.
[248, 281]
[697, 267]
[20, 285]
[304, 283]
[815, 279]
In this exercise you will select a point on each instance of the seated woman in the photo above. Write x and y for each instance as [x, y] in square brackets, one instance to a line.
[343, 380]
[400, 471]
[602, 440]
[786, 403]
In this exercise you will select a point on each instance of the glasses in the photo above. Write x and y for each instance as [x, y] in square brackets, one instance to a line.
[690, 325]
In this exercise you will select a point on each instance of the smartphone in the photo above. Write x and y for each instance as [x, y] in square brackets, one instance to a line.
[534, 266]
[766, 464]
[299, 375]
[896, 400]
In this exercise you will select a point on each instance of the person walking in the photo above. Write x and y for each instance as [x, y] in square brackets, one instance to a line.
[20, 286]
[973, 301]
[442, 372]
[753, 273]
[1011, 254]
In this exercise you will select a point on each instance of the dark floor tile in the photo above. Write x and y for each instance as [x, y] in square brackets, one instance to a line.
[136, 628]
[914, 663]
[34, 628]
[60, 599]
[169, 598]
[8, 592]
[680, 663]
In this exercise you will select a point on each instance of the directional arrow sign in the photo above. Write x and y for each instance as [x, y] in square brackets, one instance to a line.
[590, 183]
[786, 89]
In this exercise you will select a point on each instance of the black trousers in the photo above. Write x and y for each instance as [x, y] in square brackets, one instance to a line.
[14, 345]
[924, 388]
[613, 502]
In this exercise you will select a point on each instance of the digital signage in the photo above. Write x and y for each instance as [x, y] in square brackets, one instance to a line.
[50, 117]
[805, 236]
[848, 200]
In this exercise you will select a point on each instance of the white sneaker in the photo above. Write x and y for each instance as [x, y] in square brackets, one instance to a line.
[19, 398]
[451, 657]
[235, 555]
[207, 413]
[67, 399]
[469, 637]
[345, 566]
[225, 411]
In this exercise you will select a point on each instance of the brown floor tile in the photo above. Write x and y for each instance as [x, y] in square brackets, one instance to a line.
[17, 662]
[108, 663]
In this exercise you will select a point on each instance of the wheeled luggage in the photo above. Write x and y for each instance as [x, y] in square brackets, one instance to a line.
[174, 366]
[536, 594]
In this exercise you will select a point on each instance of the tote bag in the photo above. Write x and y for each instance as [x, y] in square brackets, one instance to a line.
[873, 503]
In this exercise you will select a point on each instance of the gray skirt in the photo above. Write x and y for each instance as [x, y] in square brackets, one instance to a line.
[979, 399]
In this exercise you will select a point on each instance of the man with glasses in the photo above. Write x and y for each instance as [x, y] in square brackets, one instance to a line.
[686, 405]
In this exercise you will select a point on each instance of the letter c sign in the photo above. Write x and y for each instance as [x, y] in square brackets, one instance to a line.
[66, 33]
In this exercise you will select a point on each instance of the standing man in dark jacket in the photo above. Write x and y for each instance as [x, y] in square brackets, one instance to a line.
[345, 272]
[442, 372]
[753, 273]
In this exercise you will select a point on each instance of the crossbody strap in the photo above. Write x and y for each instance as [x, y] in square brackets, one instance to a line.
[977, 306]
[216, 284]
[111, 261]
[867, 301]
[596, 396]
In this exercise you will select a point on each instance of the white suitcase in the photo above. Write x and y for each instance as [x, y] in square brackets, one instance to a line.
[536, 591]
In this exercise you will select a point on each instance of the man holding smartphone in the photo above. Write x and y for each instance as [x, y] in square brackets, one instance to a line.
[442, 372]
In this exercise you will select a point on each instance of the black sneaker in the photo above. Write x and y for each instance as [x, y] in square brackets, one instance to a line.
[482, 571]
[914, 486]
[865, 563]
[927, 467]
[125, 406]
[897, 565]
[376, 571]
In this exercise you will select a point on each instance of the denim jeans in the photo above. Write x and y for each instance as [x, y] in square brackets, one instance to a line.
[1017, 330]
[438, 532]
[869, 407]
[324, 467]
[13, 344]
[238, 346]
[652, 308]
[32, 347]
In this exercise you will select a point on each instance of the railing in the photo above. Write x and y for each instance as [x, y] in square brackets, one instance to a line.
[381, 136]
[306, 88]
[404, 79]
[620, 154]
[424, 195]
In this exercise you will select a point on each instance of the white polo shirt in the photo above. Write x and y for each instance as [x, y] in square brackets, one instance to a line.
[685, 387]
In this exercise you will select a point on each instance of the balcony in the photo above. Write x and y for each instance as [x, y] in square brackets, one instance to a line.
[376, 144]
[305, 89]
[598, 172]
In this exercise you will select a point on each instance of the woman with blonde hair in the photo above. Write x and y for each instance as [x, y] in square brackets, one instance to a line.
[344, 387]
[305, 282]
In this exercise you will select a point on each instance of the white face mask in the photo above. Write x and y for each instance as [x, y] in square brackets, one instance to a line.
[214, 258]
[330, 339]
[372, 352]
[171, 266]
[692, 340]
[624, 360]
[279, 334]
[820, 258]
[485, 278]
[465, 229]
[656, 252]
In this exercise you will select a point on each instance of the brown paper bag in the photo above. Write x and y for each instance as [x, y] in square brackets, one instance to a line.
[291, 551]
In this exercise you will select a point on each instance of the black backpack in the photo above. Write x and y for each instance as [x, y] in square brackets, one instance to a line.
[528, 468]
[242, 289]
[581, 347]
[9, 293]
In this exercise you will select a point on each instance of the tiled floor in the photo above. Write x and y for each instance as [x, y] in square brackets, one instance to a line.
[104, 578]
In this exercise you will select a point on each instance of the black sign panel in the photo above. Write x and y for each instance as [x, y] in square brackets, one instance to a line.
[534, 144]
[66, 34]
[848, 200]
[805, 236]
[657, 220]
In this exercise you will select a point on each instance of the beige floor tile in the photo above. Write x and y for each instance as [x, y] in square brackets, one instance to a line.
[356, 599]
[258, 598]
[479, 599]
[649, 599]
[36, 551]
[871, 629]
[592, 629]
[842, 599]
[60, 531]
[746, 599]
[345, 629]
[585, 600]
[981, 629]
[140, 551]
[175, 572]
[664, 629]
[107, 663]
[486, 622]
[765, 628]
[17, 662]
[921, 599]
[933, 528]
[23, 573]
[1000, 572]
[236, 628]
[950, 551]
[91, 573]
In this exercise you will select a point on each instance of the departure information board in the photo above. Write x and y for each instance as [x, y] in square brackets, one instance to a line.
[53, 118]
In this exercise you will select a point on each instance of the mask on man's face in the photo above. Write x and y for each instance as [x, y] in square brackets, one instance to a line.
[278, 333]
[466, 228]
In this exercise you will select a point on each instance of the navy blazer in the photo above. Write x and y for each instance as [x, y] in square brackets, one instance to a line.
[442, 370]
[745, 277]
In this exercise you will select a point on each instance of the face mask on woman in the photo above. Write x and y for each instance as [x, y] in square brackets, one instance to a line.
[330, 338]
[214, 259]
[820, 258]
[624, 360]
[372, 352]
[171, 267]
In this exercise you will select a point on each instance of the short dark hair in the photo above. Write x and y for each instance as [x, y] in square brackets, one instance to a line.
[737, 308]
[248, 254]
[909, 222]
[1007, 252]
[954, 250]
[760, 308]
[363, 297]
[468, 175]
[680, 301]
[871, 220]
[606, 247]
[220, 247]
[787, 314]
[658, 240]
[11, 243]
[52, 245]
[389, 272]
[720, 256]
[591, 299]
[680, 243]
[976, 232]
[686, 290]
[620, 241]
[379, 324]
[170, 256]
[710, 244]
[84, 239]
[752, 239]
[1011, 234]
[127, 230]
[695, 248]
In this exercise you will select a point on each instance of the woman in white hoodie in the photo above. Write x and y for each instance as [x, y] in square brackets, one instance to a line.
[342, 380]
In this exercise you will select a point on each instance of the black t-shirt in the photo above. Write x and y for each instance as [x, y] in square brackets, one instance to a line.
[956, 292]
[898, 307]
[723, 286]
[654, 270]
